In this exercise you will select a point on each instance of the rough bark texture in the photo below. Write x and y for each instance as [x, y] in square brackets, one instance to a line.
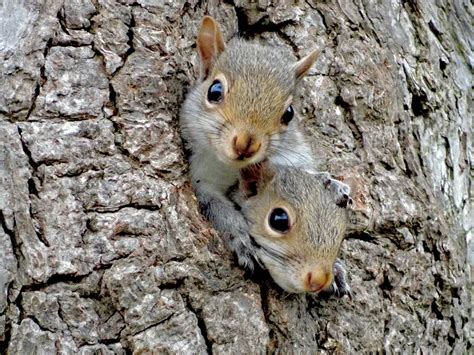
[102, 248]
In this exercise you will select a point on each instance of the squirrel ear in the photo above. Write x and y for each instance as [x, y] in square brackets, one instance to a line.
[256, 177]
[210, 43]
[303, 65]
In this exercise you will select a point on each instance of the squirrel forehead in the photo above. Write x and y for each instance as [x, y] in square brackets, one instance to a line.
[252, 100]
[260, 81]
[257, 64]
[310, 199]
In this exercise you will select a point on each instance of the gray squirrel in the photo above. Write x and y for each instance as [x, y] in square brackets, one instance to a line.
[238, 114]
[295, 226]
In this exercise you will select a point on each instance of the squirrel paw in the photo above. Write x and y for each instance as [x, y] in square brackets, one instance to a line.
[340, 287]
[243, 249]
[340, 191]
[232, 227]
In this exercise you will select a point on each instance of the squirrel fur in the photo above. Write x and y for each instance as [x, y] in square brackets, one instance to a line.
[238, 114]
[301, 256]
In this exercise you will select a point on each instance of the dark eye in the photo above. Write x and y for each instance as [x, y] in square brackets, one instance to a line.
[215, 92]
[279, 220]
[288, 115]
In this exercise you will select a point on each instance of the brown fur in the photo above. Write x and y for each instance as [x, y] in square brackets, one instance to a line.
[318, 224]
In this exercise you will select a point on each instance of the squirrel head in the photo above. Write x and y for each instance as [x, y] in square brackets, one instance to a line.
[295, 223]
[242, 104]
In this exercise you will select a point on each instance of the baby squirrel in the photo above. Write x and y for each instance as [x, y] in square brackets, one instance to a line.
[295, 226]
[239, 113]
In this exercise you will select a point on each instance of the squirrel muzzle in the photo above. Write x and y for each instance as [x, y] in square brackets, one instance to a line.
[317, 280]
[245, 146]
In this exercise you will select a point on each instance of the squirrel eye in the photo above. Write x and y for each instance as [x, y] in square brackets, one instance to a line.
[279, 220]
[288, 115]
[215, 92]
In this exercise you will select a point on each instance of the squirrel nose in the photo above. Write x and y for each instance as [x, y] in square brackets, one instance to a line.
[245, 146]
[317, 280]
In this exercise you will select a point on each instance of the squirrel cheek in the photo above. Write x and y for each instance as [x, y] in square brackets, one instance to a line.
[282, 277]
[282, 128]
[226, 147]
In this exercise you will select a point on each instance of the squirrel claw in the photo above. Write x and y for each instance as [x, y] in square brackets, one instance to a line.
[243, 247]
[245, 260]
[344, 201]
[340, 191]
[340, 287]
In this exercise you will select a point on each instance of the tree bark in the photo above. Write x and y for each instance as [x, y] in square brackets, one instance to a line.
[102, 247]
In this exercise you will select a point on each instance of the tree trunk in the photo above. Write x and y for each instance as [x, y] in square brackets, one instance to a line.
[102, 247]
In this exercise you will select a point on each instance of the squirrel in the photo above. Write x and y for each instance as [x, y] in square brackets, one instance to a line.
[238, 114]
[295, 226]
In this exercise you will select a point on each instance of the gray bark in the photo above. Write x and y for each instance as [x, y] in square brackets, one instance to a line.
[102, 248]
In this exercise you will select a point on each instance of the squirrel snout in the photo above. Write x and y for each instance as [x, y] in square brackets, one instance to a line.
[245, 146]
[317, 280]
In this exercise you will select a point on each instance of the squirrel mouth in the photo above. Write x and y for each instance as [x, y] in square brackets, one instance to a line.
[241, 158]
[242, 161]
